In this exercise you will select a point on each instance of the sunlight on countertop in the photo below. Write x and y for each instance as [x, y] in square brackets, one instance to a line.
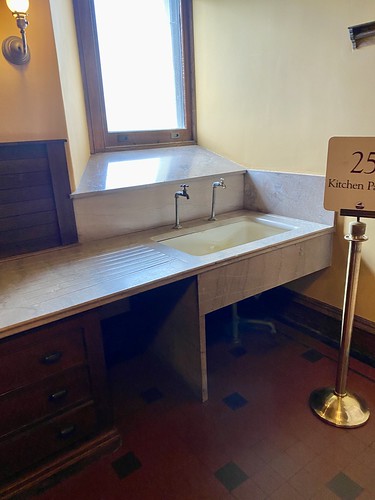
[142, 168]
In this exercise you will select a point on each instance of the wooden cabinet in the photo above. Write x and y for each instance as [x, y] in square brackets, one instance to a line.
[21, 407]
[35, 205]
[53, 393]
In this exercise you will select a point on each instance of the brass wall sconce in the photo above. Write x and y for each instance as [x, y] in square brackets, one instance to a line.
[15, 49]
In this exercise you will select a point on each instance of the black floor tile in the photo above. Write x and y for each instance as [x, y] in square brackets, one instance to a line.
[231, 476]
[344, 487]
[312, 355]
[235, 401]
[126, 465]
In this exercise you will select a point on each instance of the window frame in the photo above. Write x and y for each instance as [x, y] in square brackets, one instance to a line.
[100, 139]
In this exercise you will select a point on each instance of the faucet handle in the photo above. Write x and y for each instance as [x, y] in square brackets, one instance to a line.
[219, 183]
[184, 190]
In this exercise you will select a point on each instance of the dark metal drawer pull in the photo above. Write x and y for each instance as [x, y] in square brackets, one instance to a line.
[56, 396]
[51, 358]
[67, 431]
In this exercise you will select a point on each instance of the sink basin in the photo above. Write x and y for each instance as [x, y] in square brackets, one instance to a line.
[231, 233]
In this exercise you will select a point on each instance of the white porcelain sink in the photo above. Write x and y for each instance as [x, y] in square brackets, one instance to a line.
[203, 240]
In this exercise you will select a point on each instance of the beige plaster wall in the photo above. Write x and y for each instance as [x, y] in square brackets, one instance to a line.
[275, 80]
[31, 105]
[71, 85]
[44, 99]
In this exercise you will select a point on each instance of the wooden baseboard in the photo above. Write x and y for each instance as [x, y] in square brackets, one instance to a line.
[51, 473]
[321, 321]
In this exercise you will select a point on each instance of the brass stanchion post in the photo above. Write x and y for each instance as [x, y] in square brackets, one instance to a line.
[335, 405]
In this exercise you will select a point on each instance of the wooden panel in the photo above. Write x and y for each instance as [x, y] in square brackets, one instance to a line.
[21, 166]
[25, 194]
[35, 245]
[34, 183]
[41, 357]
[54, 399]
[28, 220]
[321, 321]
[22, 150]
[61, 189]
[23, 407]
[30, 447]
[57, 468]
[23, 234]
[26, 179]
[98, 370]
[27, 207]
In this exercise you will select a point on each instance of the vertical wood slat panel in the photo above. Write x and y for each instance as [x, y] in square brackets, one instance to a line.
[27, 179]
[27, 221]
[18, 208]
[34, 233]
[25, 194]
[61, 189]
[36, 211]
[22, 150]
[17, 248]
[13, 166]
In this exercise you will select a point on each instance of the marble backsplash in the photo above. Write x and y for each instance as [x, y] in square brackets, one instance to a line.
[292, 195]
[129, 191]
[104, 210]
[119, 212]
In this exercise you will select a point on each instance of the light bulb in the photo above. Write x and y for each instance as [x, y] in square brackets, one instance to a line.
[18, 5]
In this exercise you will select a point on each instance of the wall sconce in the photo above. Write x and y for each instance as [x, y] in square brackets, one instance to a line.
[15, 49]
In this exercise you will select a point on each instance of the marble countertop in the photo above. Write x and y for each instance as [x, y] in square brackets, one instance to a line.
[141, 168]
[39, 288]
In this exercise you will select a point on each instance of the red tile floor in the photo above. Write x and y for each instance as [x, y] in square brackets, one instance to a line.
[255, 438]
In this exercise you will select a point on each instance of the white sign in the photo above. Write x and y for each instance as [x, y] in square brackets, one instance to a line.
[350, 175]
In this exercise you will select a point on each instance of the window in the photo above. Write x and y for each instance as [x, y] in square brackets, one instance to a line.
[137, 65]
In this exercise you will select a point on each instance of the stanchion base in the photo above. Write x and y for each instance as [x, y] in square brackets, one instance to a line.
[342, 411]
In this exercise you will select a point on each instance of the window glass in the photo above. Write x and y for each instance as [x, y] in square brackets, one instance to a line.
[141, 76]
[137, 65]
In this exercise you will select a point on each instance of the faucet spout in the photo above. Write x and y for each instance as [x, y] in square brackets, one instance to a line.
[216, 184]
[219, 183]
[177, 195]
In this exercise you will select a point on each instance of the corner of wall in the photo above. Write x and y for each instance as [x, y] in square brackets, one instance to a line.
[78, 147]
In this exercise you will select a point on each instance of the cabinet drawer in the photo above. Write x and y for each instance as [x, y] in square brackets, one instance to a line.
[33, 446]
[34, 357]
[24, 406]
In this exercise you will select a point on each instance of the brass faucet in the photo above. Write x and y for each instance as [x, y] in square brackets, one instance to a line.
[177, 195]
[216, 184]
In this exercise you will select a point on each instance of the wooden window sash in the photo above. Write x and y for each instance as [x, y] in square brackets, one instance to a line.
[100, 139]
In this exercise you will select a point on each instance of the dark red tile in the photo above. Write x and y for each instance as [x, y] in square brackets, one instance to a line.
[176, 443]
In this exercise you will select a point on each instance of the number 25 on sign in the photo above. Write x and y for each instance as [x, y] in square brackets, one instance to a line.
[350, 175]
